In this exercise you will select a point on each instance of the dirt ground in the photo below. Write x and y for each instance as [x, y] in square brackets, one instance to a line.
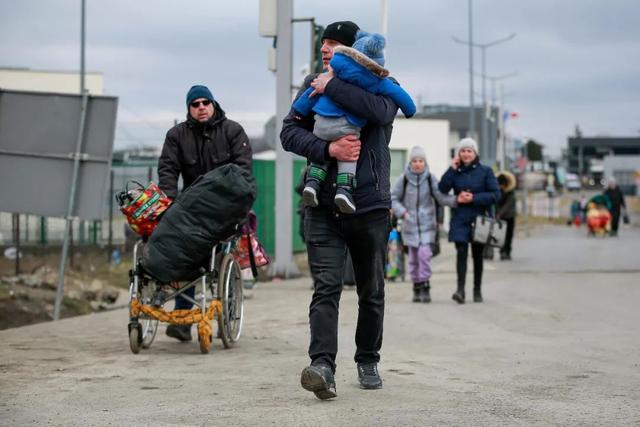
[91, 285]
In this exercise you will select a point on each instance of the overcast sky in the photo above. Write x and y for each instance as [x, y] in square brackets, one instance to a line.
[578, 61]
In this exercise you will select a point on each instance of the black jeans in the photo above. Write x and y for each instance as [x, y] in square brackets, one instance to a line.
[511, 223]
[328, 237]
[462, 252]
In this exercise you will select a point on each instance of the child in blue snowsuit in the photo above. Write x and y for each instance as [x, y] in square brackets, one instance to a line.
[363, 66]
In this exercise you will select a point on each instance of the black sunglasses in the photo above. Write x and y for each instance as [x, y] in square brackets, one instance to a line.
[196, 104]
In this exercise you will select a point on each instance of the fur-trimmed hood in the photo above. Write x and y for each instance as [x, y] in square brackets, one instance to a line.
[363, 60]
[511, 185]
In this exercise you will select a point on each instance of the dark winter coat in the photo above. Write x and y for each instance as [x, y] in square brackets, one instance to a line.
[412, 193]
[477, 179]
[506, 208]
[374, 163]
[192, 149]
[617, 199]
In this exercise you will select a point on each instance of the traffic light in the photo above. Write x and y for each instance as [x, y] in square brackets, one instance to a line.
[317, 45]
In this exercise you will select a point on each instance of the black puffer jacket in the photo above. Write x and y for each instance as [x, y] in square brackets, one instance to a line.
[374, 163]
[192, 149]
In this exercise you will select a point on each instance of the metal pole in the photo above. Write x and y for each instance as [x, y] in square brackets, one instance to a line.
[72, 196]
[283, 265]
[483, 125]
[82, 39]
[43, 230]
[500, 143]
[483, 46]
[504, 126]
[110, 238]
[472, 120]
[16, 221]
[526, 192]
[313, 47]
[384, 17]
[503, 129]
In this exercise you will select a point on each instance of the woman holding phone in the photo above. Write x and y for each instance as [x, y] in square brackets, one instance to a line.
[476, 190]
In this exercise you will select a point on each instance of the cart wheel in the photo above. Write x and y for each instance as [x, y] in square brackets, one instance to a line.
[230, 294]
[134, 337]
[148, 325]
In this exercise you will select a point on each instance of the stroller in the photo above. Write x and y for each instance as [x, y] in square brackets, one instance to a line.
[598, 216]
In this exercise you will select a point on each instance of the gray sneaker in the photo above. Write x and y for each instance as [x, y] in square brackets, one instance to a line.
[319, 380]
[344, 201]
[368, 376]
[310, 193]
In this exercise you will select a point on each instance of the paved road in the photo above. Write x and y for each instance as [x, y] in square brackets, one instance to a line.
[556, 342]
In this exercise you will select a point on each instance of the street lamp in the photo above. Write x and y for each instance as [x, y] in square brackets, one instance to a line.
[483, 47]
[502, 142]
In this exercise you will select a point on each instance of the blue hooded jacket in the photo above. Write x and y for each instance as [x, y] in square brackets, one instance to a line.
[477, 179]
[353, 67]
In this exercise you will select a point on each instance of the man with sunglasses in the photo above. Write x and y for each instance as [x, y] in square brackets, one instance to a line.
[329, 233]
[203, 142]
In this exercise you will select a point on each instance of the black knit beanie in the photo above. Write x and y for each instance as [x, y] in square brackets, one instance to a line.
[341, 31]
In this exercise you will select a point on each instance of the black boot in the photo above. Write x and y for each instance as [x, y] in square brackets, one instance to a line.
[425, 295]
[417, 291]
[477, 294]
[179, 332]
[458, 296]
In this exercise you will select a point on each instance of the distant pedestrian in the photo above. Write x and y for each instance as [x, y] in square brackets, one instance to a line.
[414, 199]
[476, 189]
[617, 204]
[506, 209]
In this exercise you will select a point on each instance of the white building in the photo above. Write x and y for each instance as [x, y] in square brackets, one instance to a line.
[431, 134]
[49, 81]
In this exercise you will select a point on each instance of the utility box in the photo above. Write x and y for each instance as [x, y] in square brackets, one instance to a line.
[271, 59]
[268, 18]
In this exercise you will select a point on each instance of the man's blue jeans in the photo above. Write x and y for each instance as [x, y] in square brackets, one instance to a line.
[327, 237]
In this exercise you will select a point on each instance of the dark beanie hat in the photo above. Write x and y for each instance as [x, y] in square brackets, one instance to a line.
[341, 31]
[198, 91]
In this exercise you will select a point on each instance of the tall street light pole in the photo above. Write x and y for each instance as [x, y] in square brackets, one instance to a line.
[384, 17]
[484, 146]
[472, 116]
[500, 143]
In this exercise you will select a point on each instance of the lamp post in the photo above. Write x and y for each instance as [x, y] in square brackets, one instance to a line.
[483, 46]
[500, 143]
[472, 120]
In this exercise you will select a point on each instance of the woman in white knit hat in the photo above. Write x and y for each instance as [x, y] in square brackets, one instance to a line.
[415, 198]
[476, 190]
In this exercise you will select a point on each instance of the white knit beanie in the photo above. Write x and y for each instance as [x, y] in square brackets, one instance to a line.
[417, 151]
[467, 143]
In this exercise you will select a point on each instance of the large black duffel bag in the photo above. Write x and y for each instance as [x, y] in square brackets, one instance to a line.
[206, 213]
